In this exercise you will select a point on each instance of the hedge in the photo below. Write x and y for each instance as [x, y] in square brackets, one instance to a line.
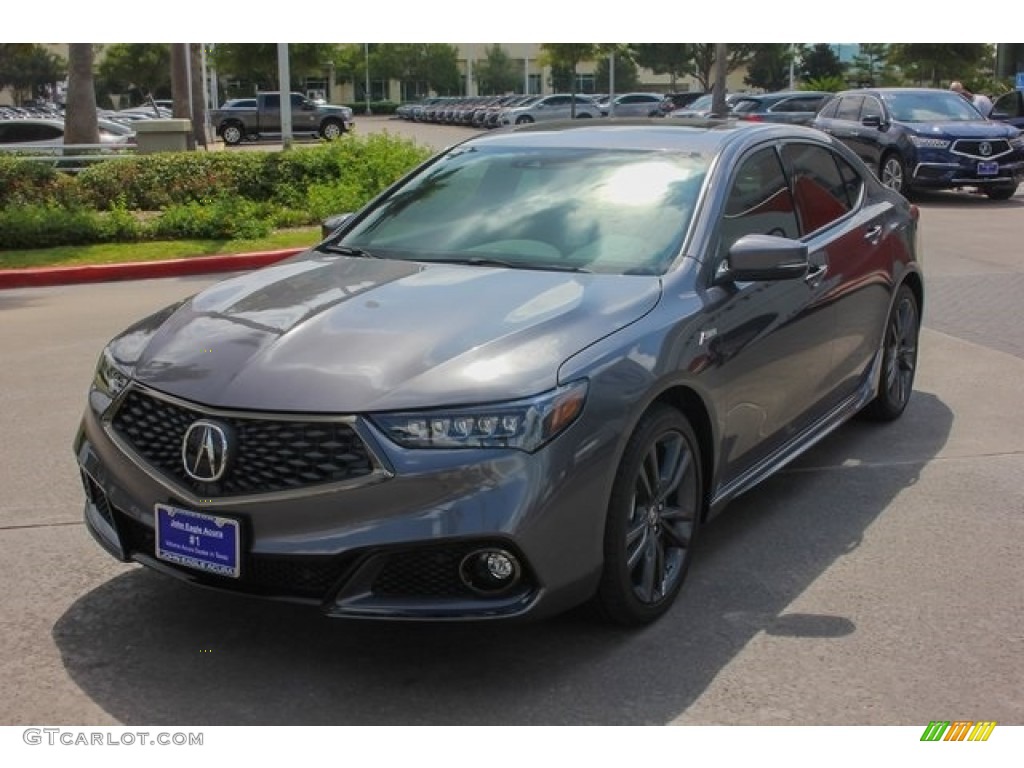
[221, 195]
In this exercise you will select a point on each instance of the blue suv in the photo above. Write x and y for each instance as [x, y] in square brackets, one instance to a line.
[926, 138]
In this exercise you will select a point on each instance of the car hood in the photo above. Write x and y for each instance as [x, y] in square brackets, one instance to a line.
[342, 335]
[970, 129]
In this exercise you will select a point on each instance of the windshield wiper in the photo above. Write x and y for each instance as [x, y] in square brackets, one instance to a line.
[346, 250]
[486, 261]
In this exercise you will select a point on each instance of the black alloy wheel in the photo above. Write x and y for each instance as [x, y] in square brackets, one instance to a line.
[899, 358]
[653, 514]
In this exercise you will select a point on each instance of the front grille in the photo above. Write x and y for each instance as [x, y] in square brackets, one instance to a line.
[269, 455]
[972, 148]
[302, 577]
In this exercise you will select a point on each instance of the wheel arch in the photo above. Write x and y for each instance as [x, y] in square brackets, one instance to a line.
[688, 402]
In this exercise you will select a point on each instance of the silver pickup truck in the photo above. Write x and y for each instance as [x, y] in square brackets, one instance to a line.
[260, 117]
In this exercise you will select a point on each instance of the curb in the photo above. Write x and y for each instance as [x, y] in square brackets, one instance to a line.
[140, 270]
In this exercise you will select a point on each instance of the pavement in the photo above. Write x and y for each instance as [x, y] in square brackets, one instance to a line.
[34, 277]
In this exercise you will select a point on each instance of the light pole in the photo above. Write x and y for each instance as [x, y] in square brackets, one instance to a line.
[366, 52]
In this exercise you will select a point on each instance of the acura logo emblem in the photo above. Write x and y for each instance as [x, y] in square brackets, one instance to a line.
[985, 148]
[204, 451]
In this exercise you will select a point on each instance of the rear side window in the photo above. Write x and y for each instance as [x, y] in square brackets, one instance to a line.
[830, 109]
[759, 202]
[821, 189]
[849, 108]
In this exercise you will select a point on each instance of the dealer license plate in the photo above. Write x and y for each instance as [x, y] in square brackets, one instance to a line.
[204, 542]
[988, 169]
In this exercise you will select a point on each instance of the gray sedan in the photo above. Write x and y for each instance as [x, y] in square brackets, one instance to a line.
[519, 380]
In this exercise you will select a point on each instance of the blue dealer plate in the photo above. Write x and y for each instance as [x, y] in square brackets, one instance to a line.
[204, 542]
[988, 169]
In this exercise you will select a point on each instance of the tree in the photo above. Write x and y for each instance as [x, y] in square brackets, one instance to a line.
[139, 69]
[672, 59]
[870, 66]
[703, 60]
[256, 63]
[80, 122]
[566, 57]
[497, 73]
[29, 70]
[820, 61]
[627, 76]
[939, 63]
[769, 66]
[434, 64]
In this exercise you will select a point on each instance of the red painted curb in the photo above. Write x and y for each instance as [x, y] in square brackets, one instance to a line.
[140, 270]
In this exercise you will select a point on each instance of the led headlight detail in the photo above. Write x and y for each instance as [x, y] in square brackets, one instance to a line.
[523, 424]
[109, 379]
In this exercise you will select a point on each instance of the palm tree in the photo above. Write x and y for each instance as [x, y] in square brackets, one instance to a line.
[80, 124]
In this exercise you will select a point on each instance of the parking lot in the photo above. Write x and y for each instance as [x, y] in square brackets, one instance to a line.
[874, 581]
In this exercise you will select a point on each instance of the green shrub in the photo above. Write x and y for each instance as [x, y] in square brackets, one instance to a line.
[45, 226]
[222, 219]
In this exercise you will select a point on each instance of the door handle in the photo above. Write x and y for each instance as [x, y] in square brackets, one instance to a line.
[873, 233]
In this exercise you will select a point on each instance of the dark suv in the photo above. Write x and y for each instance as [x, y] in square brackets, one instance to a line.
[917, 138]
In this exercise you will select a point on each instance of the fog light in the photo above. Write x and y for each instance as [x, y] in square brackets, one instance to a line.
[489, 571]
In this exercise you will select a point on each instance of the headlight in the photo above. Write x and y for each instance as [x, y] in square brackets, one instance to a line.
[925, 142]
[523, 424]
[1017, 142]
[110, 379]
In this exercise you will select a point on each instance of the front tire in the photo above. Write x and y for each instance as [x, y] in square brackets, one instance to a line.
[899, 358]
[893, 174]
[653, 515]
[1001, 193]
[232, 133]
[331, 130]
[524, 120]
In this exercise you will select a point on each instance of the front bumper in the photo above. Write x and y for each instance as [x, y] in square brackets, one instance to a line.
[391, 548]
[946, 169]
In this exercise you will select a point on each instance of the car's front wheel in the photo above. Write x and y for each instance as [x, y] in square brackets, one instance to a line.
[524, 120]
[232, 133]
[653, 515]
[1004, 192]
[899, 358]
[893, 174]
[331, 129]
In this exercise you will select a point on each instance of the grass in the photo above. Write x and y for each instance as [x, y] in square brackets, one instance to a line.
[114, 253]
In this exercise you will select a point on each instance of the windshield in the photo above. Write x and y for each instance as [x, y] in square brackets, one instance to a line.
[702, 102]
[937, 107]
[595, 210]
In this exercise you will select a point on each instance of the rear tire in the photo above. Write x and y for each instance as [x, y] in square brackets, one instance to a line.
[899, 358]
[653, 516]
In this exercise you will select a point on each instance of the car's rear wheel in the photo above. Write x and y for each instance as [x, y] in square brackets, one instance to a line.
[232, 133]
[893, 174]
[653, 515]
[331, 129]
[899, 358]
[1004, 192]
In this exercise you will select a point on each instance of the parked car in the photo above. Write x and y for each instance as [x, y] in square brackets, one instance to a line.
[632, 105]
[520, 379]
[29, 132]
[702, 106]
[794, 107]
[558, 106]
[670, 102]
[1009, 108]
[238, 120]
[926, 138]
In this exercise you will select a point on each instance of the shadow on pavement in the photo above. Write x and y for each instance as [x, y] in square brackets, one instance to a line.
[963, 199]
[150, 650]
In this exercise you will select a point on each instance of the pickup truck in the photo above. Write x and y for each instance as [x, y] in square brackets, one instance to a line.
[260, 117]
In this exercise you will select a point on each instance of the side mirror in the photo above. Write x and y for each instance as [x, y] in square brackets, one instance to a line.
[332, 224]
[762, 258]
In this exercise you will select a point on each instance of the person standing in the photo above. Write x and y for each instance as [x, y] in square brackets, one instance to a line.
[980, 101]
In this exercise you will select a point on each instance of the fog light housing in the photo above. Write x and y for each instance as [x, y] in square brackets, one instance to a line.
[490, 571]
